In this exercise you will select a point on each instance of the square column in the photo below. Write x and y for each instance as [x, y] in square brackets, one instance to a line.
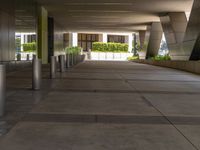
[73, 39]
[130, 42]
[42, 39]
[144, 41]
[22, 42]
[105, 37]
[155, 38]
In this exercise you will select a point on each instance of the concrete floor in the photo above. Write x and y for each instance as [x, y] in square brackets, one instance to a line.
[103, 105]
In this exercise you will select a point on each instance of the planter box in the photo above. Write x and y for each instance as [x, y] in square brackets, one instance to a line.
[110, 56]
[142, 55]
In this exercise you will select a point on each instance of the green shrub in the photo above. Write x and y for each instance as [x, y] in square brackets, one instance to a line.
[159, 58]
[109, 47]
[29, 47]
[73, 50]
[133, 58]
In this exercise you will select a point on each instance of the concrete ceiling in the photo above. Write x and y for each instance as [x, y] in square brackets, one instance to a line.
[111, 15]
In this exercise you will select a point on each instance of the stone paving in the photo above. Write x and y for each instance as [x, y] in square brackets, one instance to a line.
[100, 105]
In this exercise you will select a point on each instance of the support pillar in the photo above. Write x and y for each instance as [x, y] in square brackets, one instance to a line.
[174, 26]
[105, 37]
[144, 41]
[73, 39]
[155, 38]
[130, 42]
[42, 39]
[2, 89]
[7, 31]
[50, 38]
[191, 44]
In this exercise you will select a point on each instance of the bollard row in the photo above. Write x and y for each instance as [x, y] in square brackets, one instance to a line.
[65, 61]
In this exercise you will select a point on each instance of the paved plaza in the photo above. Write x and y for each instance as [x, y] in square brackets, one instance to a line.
[103, 105]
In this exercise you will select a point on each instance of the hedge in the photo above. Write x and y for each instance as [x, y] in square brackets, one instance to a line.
[159, 58]
[29, 47]
[109, 47]
[73, 50]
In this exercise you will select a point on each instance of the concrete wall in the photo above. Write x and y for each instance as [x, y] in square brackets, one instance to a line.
[190, 66]
[7, 31]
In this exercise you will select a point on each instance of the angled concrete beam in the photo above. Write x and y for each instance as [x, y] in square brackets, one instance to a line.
[174, 26]
[191, 42]
[155, 38]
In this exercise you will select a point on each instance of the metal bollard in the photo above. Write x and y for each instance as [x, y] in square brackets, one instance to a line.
[2, 89]
[67, 61]
[71, 60]
[74, 59]
[53, 67]
[78, 58]
[62, 63]
[37, 74]
[34, 56]
[82, 58]
[27, 57]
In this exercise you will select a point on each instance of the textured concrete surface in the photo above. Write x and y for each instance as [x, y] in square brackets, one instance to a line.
[103, 105]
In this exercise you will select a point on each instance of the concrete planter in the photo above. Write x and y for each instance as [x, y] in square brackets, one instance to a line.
[110, 56]
[142, 55]
[83, 58]
[189, 66]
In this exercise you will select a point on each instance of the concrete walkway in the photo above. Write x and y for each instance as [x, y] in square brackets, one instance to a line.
[104, 106]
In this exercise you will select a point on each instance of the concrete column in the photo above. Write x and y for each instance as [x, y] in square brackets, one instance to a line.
[191, 43]
[25, 38]
[155, 38]
[174, 26]
[73, 39]
[130, 42]
[144, 41]
[2, 89]
[7, 32]
[22, 42]
[142, 34]
[42, 35]
[105, 37]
